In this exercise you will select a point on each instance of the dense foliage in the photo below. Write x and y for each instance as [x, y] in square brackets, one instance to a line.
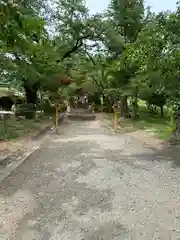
[126, 53]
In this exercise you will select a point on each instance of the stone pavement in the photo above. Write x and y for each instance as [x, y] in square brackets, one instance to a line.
[90, 184]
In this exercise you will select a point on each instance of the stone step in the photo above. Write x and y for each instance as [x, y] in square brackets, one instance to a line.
[84, 117]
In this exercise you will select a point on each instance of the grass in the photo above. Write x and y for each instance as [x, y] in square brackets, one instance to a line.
[154, 125]
[21, 128]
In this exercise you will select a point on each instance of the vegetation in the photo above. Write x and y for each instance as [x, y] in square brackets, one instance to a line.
[126, 54]
[151, 124]
[22, 128]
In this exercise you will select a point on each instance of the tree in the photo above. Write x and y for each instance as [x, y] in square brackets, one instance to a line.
[125, 22]
[171, 64]
[24, 34]
[74, 26]
[126, 53]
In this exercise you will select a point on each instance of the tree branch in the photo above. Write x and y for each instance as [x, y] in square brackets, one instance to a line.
[91, 58]
[78, 44]
[100, 84]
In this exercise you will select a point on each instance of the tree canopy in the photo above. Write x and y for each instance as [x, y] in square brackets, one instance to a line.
[127, 52]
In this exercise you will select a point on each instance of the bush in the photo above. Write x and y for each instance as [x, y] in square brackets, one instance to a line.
[48, 108]
[98, 108]
[6, 103]
[7, 135]
[26, 110]
[63, 107]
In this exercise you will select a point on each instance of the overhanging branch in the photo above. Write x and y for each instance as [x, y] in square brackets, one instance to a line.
[78, 44]
[98, 84]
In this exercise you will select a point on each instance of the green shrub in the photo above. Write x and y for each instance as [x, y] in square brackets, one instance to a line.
[8, 135]
[48, 108]
[63, 107]
[26, 110]
[107, 109]
[98, 108]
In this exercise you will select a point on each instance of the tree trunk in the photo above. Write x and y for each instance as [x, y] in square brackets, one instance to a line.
[125, 107]
[121, 109]
[110, 104]
[31, 92]
[109, 107]
[135, 108]
[162, 111]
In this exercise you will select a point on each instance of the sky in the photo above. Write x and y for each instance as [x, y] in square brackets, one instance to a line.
[157, 5]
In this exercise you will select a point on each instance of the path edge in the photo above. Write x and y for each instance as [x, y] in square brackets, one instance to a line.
[8, 169]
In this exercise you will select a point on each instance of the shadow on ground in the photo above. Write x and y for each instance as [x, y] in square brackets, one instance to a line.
[88, 184]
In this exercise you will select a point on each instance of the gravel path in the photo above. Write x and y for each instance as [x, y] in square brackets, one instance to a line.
[90, 184]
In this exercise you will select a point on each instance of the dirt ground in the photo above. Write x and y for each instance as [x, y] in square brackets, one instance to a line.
[87, 183]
